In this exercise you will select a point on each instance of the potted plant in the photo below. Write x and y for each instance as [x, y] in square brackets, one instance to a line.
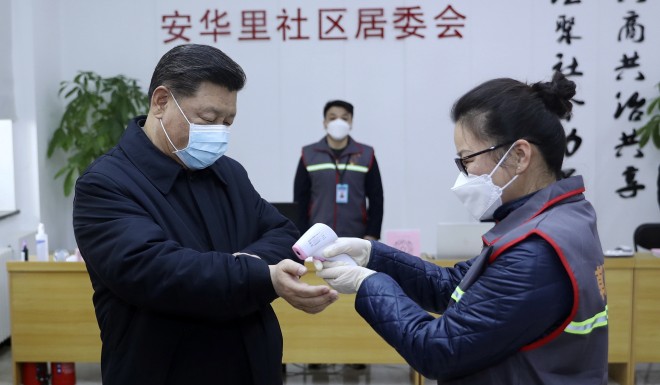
[651, 130]
[94, 118]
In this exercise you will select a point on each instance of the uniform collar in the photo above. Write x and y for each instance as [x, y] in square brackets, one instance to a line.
[161, 170]
[508, 207]
[530, 206]
[352, 147]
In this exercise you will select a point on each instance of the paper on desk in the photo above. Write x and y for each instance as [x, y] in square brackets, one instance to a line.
[404, 240]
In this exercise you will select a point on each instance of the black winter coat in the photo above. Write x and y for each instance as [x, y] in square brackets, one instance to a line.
[173, 304]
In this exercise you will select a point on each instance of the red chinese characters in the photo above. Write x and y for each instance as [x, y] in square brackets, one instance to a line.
[402, 22]
[409, 20]
[253, 25]
[286, 23]
[216, 25]
[451, 23]
[176, 25]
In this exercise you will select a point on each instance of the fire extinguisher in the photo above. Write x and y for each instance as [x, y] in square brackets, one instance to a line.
[63, 373]
[34, 373]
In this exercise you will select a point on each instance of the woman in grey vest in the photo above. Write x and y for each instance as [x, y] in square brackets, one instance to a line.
[531, 308]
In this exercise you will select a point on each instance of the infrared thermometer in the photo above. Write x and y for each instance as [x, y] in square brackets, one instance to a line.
[312, 243]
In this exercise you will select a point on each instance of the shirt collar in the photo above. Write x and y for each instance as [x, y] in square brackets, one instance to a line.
[161, 170]
[506, 208]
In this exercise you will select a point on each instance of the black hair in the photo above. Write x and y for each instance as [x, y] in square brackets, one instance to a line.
[505, 110]
[183, 68]
[338, 103]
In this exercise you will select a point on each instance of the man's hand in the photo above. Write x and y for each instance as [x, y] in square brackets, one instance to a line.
[346, 279]
[357, 248]
[286, 281]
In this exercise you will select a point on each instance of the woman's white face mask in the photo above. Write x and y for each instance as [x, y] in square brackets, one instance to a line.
[479, 194]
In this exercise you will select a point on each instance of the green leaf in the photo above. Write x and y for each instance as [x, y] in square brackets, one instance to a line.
[643, 137]
[651, 130]
[94, 118]
[69, 182]
[654, 103]
[655, 130]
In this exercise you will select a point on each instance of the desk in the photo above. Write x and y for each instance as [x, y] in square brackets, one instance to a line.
[53, 319]
[52, 315]
[619, 278]
[646, 309]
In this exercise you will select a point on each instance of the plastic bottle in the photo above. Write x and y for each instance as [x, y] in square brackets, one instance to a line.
[42, 243]
[24, 252]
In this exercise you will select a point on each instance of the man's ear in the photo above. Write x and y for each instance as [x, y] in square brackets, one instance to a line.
[523, 152]
[159, 100]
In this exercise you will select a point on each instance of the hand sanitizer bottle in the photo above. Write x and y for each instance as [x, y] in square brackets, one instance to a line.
[42, 243]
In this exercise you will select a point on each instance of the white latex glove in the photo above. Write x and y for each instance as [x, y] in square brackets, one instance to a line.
[345, 279]
[356, 248]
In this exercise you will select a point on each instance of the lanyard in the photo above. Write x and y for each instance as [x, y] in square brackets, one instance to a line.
[336, 161]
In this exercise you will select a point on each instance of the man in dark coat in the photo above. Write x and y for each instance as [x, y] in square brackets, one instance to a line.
[184, 255]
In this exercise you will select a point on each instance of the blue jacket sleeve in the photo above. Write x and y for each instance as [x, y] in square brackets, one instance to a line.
[130, 255]
[427, 284]
[517, 300]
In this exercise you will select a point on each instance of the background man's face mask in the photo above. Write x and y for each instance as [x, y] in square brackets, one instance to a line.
[338, 129]
[206, 143]
[479, 194]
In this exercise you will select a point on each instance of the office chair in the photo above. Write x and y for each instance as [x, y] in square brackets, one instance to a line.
[289, 210]
[647, 235]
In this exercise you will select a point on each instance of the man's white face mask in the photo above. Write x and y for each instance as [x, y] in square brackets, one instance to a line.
[338, 129]
[479, 194]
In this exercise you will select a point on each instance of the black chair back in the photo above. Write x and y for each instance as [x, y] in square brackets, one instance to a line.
[647, 235]
[289, 210]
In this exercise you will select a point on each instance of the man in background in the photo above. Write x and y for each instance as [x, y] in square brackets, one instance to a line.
[338, 181]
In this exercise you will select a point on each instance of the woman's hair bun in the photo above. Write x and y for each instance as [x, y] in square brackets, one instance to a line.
[557, 94]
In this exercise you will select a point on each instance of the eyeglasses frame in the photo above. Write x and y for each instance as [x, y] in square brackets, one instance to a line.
[459, 161]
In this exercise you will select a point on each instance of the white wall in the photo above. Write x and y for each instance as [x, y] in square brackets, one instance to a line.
[8, 194]
[402, 90]
[25, 139]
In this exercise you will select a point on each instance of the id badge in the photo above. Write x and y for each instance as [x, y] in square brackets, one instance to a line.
[342, 193]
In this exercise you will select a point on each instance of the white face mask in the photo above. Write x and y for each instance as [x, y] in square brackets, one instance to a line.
[338, 129]
[206, 143]
[479, 194]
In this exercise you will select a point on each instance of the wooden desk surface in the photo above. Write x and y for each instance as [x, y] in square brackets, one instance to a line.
[52, 312]
[32, 266]
[646, 309]
[53, 318]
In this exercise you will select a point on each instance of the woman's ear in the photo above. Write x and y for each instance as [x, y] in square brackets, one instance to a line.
[523, 151]
[159, 100]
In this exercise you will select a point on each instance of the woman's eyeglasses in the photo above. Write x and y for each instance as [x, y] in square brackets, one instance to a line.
[460, 161]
